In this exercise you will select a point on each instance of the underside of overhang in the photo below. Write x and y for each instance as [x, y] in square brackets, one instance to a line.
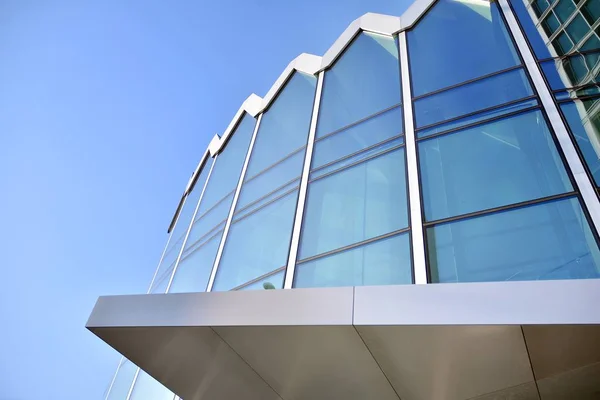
[450, 341]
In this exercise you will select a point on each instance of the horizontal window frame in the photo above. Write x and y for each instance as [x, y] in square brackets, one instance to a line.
[579, 87]
[214, 206]
[286, 193]
[202, 240]
[249, 205]
[259, 278]
[270, 167]
[569, 55]
[581, 98]
[220, 231]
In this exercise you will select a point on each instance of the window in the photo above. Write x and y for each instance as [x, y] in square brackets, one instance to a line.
[360, 202]
[469, 36]
[384, 262]
[564, 9]
[363, 81]
[591, 11]
[577, 28]
[539, 6]
[533, 35]
[490, 165]
[572, 71]
[550, 24]
[551, 240]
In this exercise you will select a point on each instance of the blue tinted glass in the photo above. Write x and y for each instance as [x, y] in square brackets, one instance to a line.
[584, 123]
[178, 234]
[365, 80]
[591, 11]
[563, 9]
[457, 41]
[194, 268]
[358, 137]
[284, 126]
[576, 93]
[228, 165]
[274, 281]
[257, 244]
[550, 24]
[384, 262]
[562, 44]
[548, 241]
[265, 200]
[148, 388]
[490, 165]
[539, 6]
[593, 43]
[573, 71]
[499, 89]
[123, 380]
[476, 118]
[270, 180]
[358, 203]
[577, 28]
[533, 35]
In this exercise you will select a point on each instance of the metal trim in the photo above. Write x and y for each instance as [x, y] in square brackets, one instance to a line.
[574, 163]
[137, 372]
[189, 229]
[412, 165]
[112, 382]
[300, 206]
[236, 195]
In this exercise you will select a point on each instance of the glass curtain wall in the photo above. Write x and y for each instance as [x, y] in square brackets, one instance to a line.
[498, 201]
[257, 244]
[355, 228]
[565, 37]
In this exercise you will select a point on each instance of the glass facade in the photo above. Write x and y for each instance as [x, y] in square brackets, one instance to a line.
[322, 173]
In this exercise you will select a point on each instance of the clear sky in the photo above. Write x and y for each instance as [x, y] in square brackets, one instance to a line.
[105, 109]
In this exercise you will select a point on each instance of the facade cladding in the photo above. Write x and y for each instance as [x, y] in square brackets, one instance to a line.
[463, 148]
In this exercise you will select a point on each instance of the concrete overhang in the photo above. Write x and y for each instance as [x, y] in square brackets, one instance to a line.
[504, 340]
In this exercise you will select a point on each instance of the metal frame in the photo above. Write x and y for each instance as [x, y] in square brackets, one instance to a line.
[300, 206]
[569, 150]
[236, 196]
[414, 191]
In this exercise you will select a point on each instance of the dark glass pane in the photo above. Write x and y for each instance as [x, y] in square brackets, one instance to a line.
[495, 164]
[591, 11]
[257, 244]
[577, 28]
[384, 262]
[573, 71]
[284, 126]
[593, 43]
[533, 35]
[358, 137]
[365, 80]
[476, 118]
[550, 24]
[358, 203]
[274, 281]
[539, 6]
[547, 241]
[457, 41]
[499, 89]
[583, 118]
[564, 9]
[562, 44]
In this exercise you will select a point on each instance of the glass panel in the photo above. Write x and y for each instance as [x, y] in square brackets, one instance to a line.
[178, 233]
[257, 244]
[274, 281]
[384, 262]
[123, 380]
[539, 6]
[583, 118]
[208, 222]
[490, 165]
[550, 24]
[533, 35]
[477, 118]
[358, 137]
[562, 44]
[593, 43]
[591, 11]
[564, 9]
[576, 93]
[573, 71]
[194, 268]
[284, 127]
[270, 180]
[228, 165]
[363, 81]
[499, 89]
[274, 196]
[546, 241]
[148, 388]
[458, 40]
[578, 28]
[358, 203]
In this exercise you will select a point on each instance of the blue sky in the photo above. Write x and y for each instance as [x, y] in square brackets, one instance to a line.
[105, 110]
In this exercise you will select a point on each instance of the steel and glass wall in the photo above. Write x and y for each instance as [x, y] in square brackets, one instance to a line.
[464, 148]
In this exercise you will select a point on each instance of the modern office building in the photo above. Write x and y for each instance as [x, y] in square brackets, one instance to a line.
[425, 194]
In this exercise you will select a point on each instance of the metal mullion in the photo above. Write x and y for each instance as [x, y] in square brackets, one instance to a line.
[580, 98]
[494, 210]
[258, 278]
[570, 55]
[189, 229]
[354, 245]
[419, 263]
[474, 124]
[373, 146]
[579, 87]
[473, 113]
[208, 234]
[302, 192]
[292, 190]
[215, 205]
[218, 231]
[287, 157]
[467, 82]
[236, 196]
[358, 162]
[360, 121]
[137, 372]
[112, 382]
[266, 195]
[562, 135]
